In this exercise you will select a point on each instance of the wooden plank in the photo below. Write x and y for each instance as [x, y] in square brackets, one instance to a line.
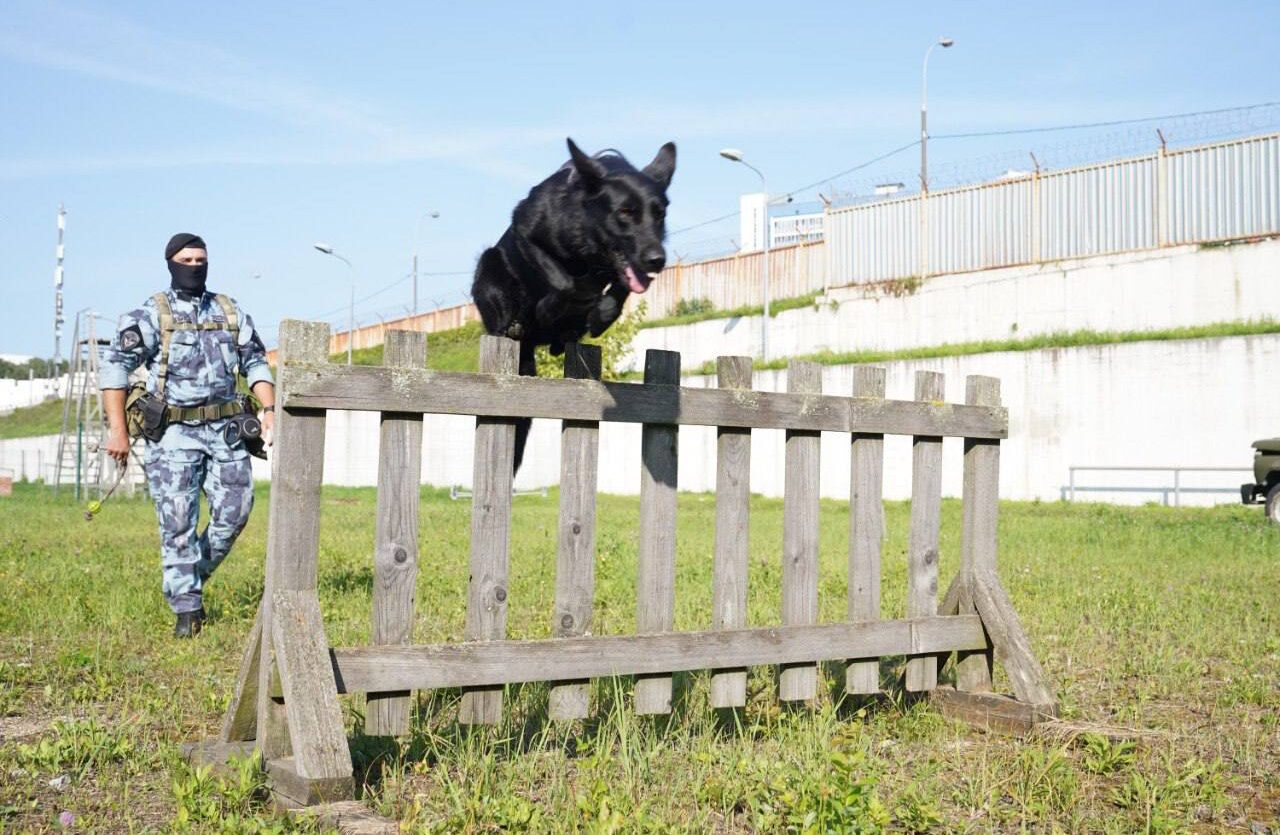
[800, 533]
[926, 519]
[733, 502]
[378, 389]
[490, 530]
[349, 817]
[866, 528]
[240, 722]
[217, 755]
[1009, 641]
[988, 711]
[306, 679]
[978, 532]
[293, 523]
[656, 568]
[292, 790]
[488, 663]
[576, 551]
[395, 549]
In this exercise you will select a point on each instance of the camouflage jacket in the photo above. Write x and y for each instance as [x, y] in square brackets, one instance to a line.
[203, 364]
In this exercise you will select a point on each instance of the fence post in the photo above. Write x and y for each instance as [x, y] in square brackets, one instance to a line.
[978, 533]
[733, 499]
[926, 511]
[575, 555]
[395, 550]
[866, 529]
[655, 574]
[800, 533]
[490, 530]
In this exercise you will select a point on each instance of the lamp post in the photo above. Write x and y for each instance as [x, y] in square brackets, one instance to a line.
[945, 43]
[430, 214]
[734, 155]
[351, 307]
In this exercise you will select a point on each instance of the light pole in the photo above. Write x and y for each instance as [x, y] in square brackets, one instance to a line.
[431, 214]
[734, 155]
[945, 43]
[351, 307]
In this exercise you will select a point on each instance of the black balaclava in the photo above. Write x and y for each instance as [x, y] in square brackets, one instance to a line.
[186, 278]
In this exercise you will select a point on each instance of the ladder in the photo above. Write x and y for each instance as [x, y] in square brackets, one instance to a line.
[82, 445]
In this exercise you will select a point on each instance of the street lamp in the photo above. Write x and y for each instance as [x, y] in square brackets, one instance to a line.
[734, 155]
[433, 214]
[945, 43]
[351, 308]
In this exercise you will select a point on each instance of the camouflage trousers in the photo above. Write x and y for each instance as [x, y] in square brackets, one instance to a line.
[191, 458]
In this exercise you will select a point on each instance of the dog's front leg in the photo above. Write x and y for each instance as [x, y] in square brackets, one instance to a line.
[608, 309]
[550, 308]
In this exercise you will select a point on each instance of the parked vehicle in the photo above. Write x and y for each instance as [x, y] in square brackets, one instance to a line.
[1266, 478]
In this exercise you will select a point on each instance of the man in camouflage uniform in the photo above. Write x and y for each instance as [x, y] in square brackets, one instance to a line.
[210, 342]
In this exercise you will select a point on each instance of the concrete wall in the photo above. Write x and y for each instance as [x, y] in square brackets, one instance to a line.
[1176, 287]
[16, 394]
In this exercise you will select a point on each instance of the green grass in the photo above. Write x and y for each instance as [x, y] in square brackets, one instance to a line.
[41, 419]
[776, 306]
[456, 349]
[1158, 627]
[1057, 339]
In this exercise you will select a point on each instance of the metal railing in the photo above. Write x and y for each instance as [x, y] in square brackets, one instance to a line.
[1069, 490]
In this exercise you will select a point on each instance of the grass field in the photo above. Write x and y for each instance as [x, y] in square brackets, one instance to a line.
[1159, 627]
[29, 421]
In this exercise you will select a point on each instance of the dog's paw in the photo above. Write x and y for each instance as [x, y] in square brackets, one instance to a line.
[556, 348]
[515, 331]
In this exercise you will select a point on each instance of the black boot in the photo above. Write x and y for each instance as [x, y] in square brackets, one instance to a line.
[189, 624]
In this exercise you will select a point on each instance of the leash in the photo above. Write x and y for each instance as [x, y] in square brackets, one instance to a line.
[95, 507]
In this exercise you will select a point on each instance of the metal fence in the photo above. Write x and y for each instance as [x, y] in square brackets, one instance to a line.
[1199, 194]
[1176, 489]
[737, 280]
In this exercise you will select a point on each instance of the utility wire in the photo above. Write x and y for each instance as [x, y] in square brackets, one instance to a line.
[1087, 125]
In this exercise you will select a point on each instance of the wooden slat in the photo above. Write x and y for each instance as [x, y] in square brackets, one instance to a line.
[576, 552]
[376, 389]
[656, 569]
[978, 532]
[926, 518]
[240, 722]
[988, 711]
[800, 533]
[310, 695]
[866, 528]
[733, 501]
[1010, 642]
[293, 523]
[395, 550]
[488, 663]
[490, 529]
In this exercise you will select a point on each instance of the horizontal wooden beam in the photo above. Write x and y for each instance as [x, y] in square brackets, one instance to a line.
[491, 663]
[384, 389]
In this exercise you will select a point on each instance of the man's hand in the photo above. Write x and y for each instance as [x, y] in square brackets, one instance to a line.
[268, 426]
[118, 445]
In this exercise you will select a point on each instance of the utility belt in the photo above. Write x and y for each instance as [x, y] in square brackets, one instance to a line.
[148, 416]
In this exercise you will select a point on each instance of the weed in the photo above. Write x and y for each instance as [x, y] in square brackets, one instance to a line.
[1103, 756]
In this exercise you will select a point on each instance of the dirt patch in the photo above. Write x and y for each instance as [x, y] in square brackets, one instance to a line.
[14, 728]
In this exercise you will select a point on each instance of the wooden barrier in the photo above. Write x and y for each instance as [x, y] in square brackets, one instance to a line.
[285, 703]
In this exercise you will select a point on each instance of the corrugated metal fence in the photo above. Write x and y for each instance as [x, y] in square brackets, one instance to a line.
[1206, 193]
[736, 280]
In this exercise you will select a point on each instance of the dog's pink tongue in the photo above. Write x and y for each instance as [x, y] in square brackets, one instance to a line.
[636, 285]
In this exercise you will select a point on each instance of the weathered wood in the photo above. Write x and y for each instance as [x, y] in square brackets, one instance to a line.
[217, 755]
[292, 790]
[576, 551]
[293, 523]
[733, 501]
[988, 711]
[240, 722]
[978, 532]
[310, 694]
[800, 533]
[926, 518]
[488, 663]
[656, 568]
[866, 529]
[376, 389]
[490, 529]
[395, 548]
[1010, 642]
[349, 817]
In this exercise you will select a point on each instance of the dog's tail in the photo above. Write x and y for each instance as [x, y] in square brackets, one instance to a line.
[528, 368]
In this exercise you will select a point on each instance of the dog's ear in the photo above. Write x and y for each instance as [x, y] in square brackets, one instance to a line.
[591, 171]
[663, 165]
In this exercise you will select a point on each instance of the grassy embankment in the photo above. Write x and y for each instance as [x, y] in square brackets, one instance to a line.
[1158, 626]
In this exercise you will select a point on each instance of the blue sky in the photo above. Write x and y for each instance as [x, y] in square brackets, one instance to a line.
[266, 127]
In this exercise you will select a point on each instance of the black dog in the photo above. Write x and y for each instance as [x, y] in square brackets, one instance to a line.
[582, 241]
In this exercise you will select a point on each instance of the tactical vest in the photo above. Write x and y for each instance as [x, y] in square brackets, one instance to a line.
[168, 326]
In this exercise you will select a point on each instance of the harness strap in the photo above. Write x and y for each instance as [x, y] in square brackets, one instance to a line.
[168, 326]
